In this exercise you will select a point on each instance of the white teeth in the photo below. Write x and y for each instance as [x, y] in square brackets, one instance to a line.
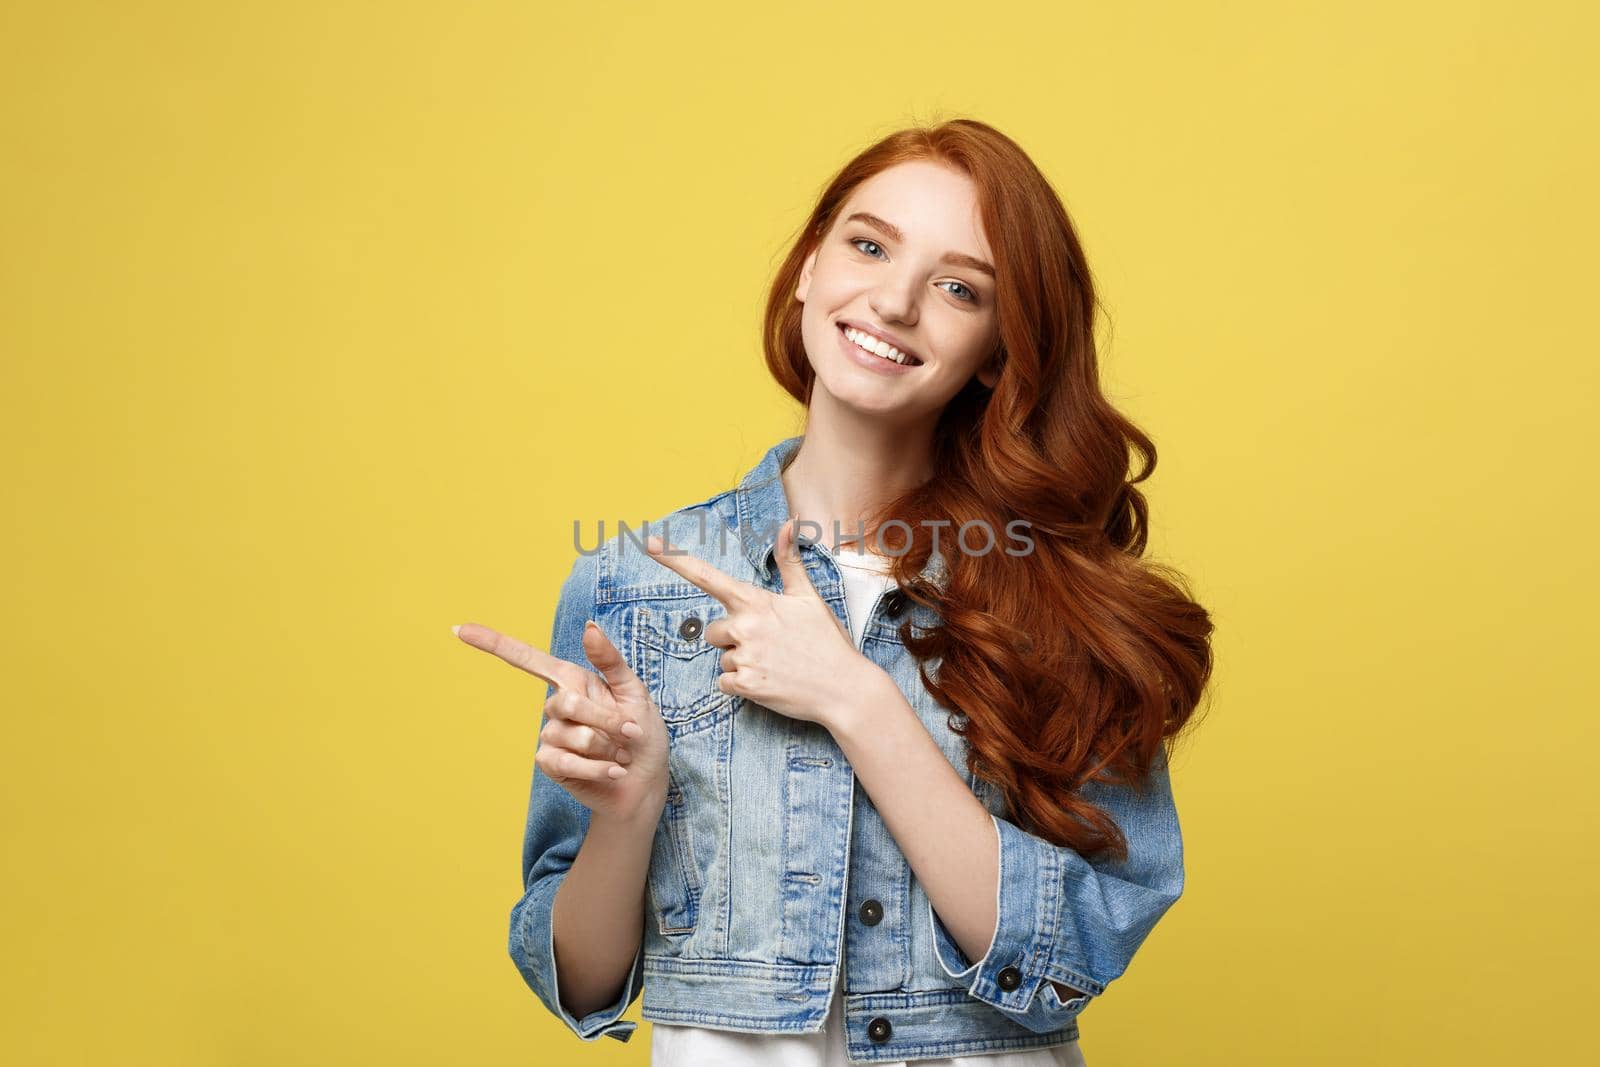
[876, 347]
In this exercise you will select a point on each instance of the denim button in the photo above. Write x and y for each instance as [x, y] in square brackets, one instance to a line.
[894, 605]
[871, 912]
[691, 628]
[1009, 979]
[879, 1029]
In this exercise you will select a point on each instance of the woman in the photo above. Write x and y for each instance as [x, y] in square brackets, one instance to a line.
[831, 772]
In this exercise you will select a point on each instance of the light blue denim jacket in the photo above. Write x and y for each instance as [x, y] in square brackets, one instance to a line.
[771, 869]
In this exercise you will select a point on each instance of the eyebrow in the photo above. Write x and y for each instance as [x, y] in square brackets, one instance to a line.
[893, 233]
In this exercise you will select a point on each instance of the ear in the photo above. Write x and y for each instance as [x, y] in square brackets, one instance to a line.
[803, 286]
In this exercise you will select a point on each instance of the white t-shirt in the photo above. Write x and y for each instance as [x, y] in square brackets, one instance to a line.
[682, 1045]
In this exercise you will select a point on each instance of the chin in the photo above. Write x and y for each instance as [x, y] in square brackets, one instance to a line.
[857, 396]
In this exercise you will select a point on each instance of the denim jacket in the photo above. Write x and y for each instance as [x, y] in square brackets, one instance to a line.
[771, 870]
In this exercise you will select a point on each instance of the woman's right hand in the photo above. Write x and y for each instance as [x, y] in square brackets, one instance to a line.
[593, 724]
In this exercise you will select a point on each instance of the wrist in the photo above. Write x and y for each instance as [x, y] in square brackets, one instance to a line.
[641, 820]
[865, 702]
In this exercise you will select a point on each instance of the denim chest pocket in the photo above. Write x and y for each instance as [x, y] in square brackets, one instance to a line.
[678, 666]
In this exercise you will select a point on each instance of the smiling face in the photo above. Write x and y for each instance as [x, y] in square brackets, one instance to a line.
[903, 262]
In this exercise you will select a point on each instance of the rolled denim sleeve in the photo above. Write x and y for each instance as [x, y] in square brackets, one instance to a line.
[557, 824]
[1062, 918]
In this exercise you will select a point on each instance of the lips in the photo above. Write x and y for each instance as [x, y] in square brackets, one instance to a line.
[912, 359]
[870, 362]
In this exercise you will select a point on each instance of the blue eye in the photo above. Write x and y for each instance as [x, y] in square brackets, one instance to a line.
[970, 298]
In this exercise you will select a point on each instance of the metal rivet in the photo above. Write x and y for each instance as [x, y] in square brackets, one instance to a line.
[691, 628]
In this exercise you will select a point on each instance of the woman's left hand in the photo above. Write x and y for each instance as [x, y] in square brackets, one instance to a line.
[784, 651]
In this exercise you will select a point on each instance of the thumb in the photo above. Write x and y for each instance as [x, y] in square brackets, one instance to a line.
[796, 582]
[609, 662]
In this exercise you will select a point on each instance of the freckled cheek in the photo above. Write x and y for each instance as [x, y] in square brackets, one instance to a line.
[956, 345]
[846, 275]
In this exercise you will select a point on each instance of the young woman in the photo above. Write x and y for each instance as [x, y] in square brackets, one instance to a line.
[875, 742]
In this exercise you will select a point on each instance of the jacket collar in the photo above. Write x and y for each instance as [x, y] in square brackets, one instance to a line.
[761, 506]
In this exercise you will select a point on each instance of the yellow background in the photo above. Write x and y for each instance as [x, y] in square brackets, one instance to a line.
[322, 322]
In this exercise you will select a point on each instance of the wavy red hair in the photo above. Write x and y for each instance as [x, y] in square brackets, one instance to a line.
[1123, 663]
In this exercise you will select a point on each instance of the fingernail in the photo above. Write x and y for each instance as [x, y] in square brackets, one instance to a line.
[456, 629]
[618, 772]
[635, 730]
[590, 625]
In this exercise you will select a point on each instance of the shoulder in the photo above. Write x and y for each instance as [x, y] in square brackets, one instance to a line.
[612, 559]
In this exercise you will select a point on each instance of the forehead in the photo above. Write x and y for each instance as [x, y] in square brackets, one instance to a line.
[931, 203]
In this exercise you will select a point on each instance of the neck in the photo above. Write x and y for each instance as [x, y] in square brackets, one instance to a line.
[846, 468]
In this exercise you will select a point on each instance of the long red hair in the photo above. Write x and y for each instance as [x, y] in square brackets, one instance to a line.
[1079, 661]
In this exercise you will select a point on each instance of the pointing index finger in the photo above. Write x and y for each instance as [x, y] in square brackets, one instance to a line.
[726, 588]
[520, 654]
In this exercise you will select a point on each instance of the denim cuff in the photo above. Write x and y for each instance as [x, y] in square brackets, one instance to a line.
[537, 961]
[1027, 895]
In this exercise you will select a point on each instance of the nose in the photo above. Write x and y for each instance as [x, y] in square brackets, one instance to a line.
[895, 298]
